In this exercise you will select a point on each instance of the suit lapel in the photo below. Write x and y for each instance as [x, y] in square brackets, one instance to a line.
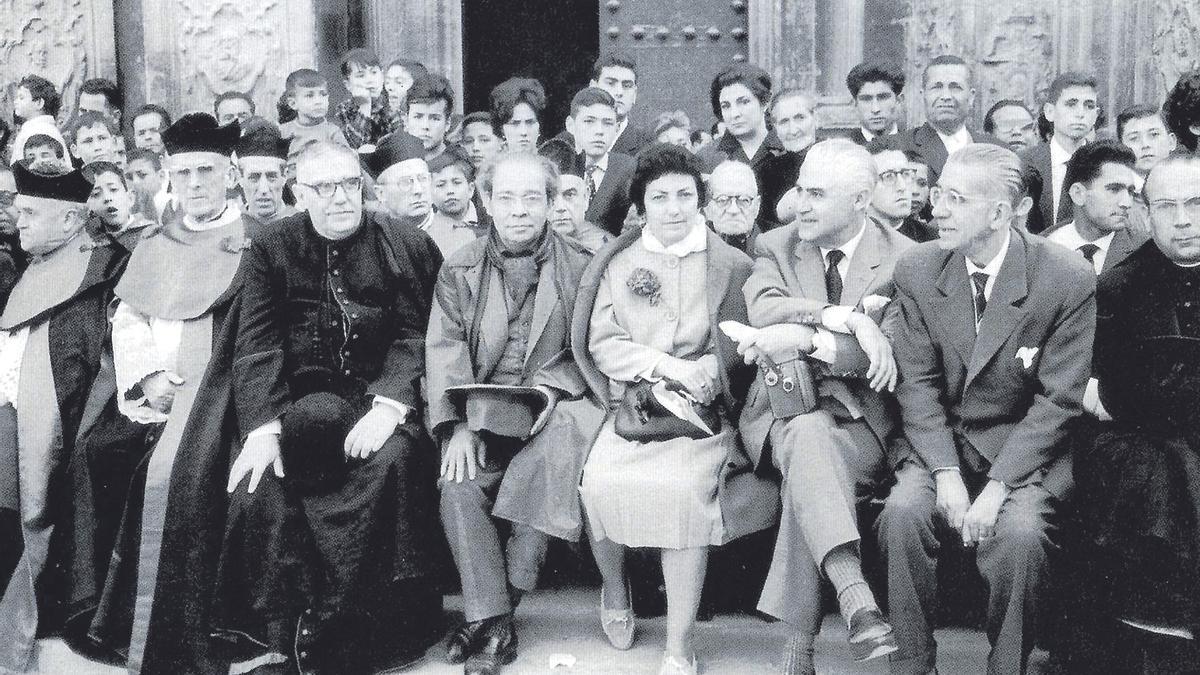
[1120, 248]
[810, 271]
[1004, 308]
[954, 307]
[862, 266]
[544, 302]
[926, 137]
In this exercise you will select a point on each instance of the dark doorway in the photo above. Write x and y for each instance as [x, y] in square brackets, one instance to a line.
[555, 41]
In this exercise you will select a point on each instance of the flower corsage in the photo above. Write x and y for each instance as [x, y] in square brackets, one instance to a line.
[643, 283]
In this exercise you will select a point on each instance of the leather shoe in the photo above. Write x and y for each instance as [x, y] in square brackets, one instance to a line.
[462, 640]
[618, 624]
[870, 636]
[498, 648]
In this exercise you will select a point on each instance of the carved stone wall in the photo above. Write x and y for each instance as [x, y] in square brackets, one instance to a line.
[64, 41]
[196, 49]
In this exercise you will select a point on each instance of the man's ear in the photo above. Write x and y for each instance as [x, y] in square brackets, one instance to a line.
[1077, 192]
[1047, 111]
[232, 177]
[74, 150]
[74, 218]
[570, 125]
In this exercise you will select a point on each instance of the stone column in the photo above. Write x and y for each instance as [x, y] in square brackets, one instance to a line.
[65, 41]
[429, 31]
[197, 49]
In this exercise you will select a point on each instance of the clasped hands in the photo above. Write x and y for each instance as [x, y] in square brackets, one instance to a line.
[465, 451]
[976, 521]
[366, 438]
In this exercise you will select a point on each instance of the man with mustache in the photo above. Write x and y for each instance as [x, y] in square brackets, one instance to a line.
[1072, 108]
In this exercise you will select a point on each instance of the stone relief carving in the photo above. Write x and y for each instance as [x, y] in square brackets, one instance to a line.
[1176, 45]
[46, 38]
[1015, 55]
[932, 28]
[230, 45]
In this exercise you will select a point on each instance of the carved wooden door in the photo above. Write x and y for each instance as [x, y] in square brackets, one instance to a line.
[679, 45]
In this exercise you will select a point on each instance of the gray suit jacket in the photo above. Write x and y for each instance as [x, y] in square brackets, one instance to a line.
[1040, 179]
[925, 142]
[788, 286]
[611, 202]
[1009, 391]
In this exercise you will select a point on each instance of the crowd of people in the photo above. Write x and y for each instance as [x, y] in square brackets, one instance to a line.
[271, 390]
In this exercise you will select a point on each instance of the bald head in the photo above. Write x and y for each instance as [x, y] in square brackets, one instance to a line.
[848, 163]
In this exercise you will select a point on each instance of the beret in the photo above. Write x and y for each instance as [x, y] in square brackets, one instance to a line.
[199, 132]
[262, 141]
[66, 187]
[396, 147]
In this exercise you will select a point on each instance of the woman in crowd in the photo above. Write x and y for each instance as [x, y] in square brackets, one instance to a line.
[648, 311]
[675, 128]
[517, 106]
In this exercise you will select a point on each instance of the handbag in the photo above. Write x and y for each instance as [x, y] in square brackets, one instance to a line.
[641, 418]
[791, 387]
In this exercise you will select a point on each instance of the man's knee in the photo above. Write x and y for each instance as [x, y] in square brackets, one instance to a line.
[907, 515]
[1023, 537]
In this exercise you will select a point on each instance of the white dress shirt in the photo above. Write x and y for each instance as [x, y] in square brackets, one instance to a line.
[1059, 156]
[955, 141]
[1068, 235]
[834, 318]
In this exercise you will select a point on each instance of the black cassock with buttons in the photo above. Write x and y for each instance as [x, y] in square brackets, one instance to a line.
[337, 564]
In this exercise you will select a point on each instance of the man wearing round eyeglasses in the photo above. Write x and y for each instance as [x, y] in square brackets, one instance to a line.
[891, 201]
[1137, 491]
[172, 355]
[336, 465]
[733, 207]
[821, 294]
[994, 350]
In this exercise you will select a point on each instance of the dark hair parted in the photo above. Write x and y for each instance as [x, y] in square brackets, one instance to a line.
[613, 60]
[1134, 112]
[106, 88]
[660, 159]
[874, 72]
[1089, 160]
[989, 119]
[361, 57]
[164, 117]
[478, 117]
[1067, 80]
[1181, 111]
[512, 92]
[232, 95]
[749, 75]
[40, 88]
[142, 155]
[591, 96]
[86, 120]
[429, 88]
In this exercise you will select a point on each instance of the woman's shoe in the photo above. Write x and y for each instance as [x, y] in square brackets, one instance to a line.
[676, 666]
[618, 624]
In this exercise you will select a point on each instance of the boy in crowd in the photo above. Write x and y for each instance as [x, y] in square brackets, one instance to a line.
[147, 125]
[233, 105]
[114, 204]
[145, 176]
[306, 103]
[35, 104]
[93, 137]
[430, 101]
[100, 95]
[606, 175]
[479, 138]
[45, 155]
[1141, 129]
[1072, 108]
[365, 117]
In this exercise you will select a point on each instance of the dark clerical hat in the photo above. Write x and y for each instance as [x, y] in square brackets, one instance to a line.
[199, 132]
[66, 187]
[396, 147]
[263, 141]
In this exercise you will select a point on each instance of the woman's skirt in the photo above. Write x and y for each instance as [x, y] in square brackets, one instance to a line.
[658, 494]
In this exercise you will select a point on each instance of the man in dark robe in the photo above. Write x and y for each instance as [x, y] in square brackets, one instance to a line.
[53, 332]
[501, 316]
[1138, 487]
[331, 556]
[172, 356]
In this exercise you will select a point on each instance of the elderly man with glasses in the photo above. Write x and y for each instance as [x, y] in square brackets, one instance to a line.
[994, 348]
[331, 552]
[733, 206]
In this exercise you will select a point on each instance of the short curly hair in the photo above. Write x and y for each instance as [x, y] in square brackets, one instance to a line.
[658, 160]
[1181, 111]
[747, 74]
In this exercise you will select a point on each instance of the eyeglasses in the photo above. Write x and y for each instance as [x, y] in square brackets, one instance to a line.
[954, 199]
[743, 202]
[1166, 208]
[891, 176]
[326, 189]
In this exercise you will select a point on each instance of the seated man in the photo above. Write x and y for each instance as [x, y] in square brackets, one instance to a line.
[830, 269]
[336, 565]
[994, 349]
[261, 161]
[502, 316]
[53, 332]
[1137, 486]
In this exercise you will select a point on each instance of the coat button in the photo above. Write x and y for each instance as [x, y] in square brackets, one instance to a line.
[308, 611]
[353, 316]
[354, 337]
[304, 632]
[347, 372]
[335, 273]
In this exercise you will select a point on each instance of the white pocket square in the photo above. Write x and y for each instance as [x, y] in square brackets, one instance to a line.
[1027, 354]
[874, 303]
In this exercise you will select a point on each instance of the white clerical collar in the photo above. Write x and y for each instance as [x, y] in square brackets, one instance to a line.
[693, 242]
[847, 248]
[231, 213]
[992, 268]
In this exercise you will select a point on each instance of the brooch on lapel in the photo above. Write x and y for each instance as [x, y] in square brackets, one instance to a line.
[1027, 354]
[644, 284]
[232, 244]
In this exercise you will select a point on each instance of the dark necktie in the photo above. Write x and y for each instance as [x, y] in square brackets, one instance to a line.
[980, 280]
[589, 176]
[833, 278]
[1089, 251]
